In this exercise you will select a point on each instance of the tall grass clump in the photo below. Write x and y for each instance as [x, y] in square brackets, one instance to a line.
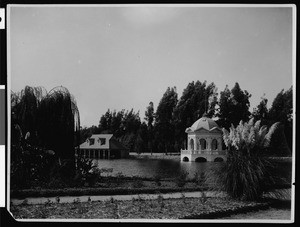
[247, 174]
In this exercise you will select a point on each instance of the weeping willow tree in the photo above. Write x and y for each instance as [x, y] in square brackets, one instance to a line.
[59, 122]
[24, 109]
[51, 119]
[42, 123]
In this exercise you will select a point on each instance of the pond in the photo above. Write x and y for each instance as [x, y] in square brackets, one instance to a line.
[166, 168]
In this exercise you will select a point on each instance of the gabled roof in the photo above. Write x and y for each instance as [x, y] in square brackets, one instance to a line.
[109, 142]
[204, 123]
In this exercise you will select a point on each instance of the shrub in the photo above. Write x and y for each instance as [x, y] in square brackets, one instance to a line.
[93, 177]
[30, 166]
[86, 172]
[56, 183]
[246, 174]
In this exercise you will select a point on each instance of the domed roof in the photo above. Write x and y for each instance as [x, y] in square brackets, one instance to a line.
[203, 123]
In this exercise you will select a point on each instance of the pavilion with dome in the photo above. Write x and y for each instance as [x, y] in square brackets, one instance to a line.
[204, 142]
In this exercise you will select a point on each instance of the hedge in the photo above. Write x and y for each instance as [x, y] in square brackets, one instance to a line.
[95, 191]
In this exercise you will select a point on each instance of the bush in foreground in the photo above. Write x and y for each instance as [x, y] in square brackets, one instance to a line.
[246, 174]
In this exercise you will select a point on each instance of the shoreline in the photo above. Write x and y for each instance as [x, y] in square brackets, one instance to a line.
[159, 156]
[176, 156]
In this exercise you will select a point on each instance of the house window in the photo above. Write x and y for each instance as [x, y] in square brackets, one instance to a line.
[102, 141]
[92, 141]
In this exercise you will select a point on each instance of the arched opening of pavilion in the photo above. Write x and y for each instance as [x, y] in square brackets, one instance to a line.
[200, 159]
[185, 159]
[218, 159]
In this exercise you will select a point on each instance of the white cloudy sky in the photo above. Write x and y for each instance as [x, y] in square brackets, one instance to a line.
[125, 57]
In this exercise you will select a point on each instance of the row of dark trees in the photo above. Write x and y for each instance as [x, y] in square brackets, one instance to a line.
[163, 130]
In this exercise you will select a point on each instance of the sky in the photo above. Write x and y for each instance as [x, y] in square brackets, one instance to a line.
[124, 57]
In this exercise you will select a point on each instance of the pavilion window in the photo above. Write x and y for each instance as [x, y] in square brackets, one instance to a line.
[214, 144]
[203, 144]
[192, 144]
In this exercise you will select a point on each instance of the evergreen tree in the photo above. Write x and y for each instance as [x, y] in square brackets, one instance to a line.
[261, 112]
[87, 132]
[116, 126]
[123, 125]
[196, 99]
[282, 111]
[164, 124]
[105, 122]
[149, 117]
[224, 108]
[233, 106]
[282, 107]
[141, 140]
[131, 122]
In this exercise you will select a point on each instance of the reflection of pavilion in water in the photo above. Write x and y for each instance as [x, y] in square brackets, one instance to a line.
[204, 142]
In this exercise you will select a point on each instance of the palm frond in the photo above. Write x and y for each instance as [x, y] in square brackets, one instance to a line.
[268, 137]
[226, 137]
[261, 134]
[252, 136]
[257, 125]
[251, 122]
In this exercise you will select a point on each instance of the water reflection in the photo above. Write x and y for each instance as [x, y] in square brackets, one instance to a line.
[151, 168]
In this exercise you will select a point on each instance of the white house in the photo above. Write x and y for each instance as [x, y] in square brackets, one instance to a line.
[103, 146]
